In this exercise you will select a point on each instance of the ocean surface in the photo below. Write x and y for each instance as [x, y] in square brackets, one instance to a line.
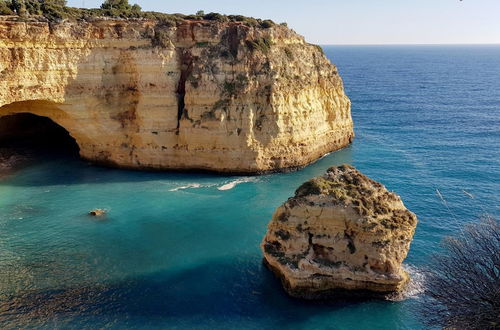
[182, 250]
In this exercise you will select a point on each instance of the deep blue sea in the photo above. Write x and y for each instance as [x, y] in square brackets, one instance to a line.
[176, 251]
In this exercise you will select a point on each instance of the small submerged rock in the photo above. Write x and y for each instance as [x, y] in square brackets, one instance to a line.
[97, 213]
[341, 234]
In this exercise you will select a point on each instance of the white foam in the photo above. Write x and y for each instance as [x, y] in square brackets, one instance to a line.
[188, 186]
[417, 282]
[414, 288]
[325, 155]
[230, 185]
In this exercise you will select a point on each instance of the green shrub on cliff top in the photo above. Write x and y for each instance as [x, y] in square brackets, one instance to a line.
[266, 24]
[56, 10]
[120, 8]
[52, 9]
[215, 17]
[116, 4]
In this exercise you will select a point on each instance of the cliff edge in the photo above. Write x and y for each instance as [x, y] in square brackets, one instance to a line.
[206, 95]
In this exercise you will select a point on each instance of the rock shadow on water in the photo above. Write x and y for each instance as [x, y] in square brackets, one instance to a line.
[216, 291]
[63, 171]
[69, 171]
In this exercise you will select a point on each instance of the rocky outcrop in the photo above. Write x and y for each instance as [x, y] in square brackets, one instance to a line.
[97, 213]
[198, 95]
[342, 233]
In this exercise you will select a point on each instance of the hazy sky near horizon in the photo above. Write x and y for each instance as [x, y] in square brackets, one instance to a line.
[358, 21]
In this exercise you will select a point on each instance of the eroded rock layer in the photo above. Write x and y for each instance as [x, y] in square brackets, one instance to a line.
[341, 233]
[198, 95]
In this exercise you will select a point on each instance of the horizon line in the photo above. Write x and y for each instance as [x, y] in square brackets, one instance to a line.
[414, 44]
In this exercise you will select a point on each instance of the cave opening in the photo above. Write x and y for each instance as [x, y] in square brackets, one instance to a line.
[32, 137]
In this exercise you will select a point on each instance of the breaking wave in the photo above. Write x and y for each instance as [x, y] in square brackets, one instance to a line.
[227, 185]
[414, 288]
[230, 185]
[188, 186]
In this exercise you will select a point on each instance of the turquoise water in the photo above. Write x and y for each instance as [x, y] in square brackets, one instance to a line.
[175, 251]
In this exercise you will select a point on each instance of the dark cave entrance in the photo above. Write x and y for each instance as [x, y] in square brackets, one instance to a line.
[25, 137]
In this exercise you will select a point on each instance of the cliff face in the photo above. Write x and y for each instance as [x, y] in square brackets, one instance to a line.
[199, 95]
[341, 232]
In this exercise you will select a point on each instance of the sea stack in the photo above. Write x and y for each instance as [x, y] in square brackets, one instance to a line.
[341, 234]
[224, 96]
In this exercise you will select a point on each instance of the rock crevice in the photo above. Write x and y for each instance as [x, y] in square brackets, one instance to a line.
[186, 68]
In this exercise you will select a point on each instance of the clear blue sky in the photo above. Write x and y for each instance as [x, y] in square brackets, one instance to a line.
[358, 21]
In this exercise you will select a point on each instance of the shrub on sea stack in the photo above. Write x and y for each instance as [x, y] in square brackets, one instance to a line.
[342, 233]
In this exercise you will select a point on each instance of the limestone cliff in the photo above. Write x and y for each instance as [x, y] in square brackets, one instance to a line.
[341, 233]
[198, 95]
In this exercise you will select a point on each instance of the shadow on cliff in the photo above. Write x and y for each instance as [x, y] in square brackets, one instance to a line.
[222, 290]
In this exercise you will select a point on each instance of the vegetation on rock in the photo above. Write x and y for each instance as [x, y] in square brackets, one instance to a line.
[56, 10]
[120, 8]
[5, 8]
[262, 44]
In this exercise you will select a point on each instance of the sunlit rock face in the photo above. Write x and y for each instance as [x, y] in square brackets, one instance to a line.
[341, 234]
[200, 95]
